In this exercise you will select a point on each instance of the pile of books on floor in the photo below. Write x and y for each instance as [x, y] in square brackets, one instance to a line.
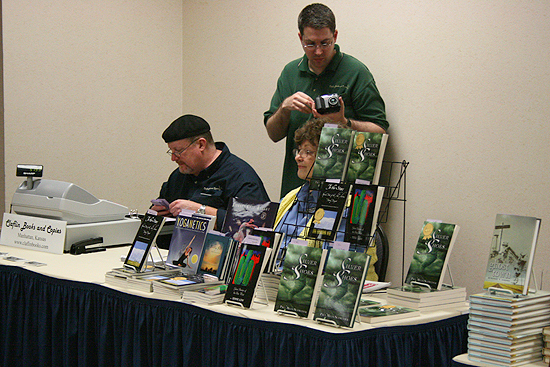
[427, 299]
[546, 350]
[507, 330]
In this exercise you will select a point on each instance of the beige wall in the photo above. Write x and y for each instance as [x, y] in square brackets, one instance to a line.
[89, 87]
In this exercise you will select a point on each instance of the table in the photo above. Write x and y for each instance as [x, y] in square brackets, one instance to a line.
[49, 318]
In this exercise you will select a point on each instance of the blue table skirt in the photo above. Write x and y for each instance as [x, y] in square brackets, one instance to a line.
[47, 321]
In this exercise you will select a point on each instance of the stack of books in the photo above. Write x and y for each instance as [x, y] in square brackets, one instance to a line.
[209, 295]
[144, 282]
[507, 330]
[174, 287]
[546, 350]
[381, 313]
[425, 299]
[140, 281]
[271, 284]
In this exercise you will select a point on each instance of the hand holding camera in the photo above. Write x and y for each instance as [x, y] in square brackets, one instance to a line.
[327, 103]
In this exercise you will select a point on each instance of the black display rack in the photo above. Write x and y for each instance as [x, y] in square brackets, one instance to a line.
[393, 178]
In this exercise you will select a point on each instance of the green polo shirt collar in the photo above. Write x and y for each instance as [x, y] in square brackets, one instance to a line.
[304, 65]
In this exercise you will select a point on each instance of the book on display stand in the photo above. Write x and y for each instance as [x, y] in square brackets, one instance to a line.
[144, 241]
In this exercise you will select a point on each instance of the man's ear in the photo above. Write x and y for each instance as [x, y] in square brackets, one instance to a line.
[335, 35]
[202, 144]
[300, 36]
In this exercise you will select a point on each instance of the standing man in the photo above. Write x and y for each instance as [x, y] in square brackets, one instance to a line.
[322, 70]
[208, 175]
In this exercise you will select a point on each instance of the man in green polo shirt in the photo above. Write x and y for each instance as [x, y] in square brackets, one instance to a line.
[322, 70]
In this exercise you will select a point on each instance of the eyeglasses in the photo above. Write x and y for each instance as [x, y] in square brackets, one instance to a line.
[313, 46]
[304, 153]
[180, 152]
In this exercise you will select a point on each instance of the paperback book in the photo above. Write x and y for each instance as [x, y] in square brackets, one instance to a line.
[187, 242]
[432, 253]
[243, 215]
[328, 212]
[386, 313]
[147, 233]
[341, 287]
[332, 153]
[251, 262]
[214, 254]
[175, 286]
[208, 295]
[365, 206]
[366, 156]
[415, 292]
[302, 270]
[273, 240]
[512, 361]
[512, 253]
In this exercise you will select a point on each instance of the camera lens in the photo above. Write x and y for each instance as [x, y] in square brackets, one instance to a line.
[333, 100]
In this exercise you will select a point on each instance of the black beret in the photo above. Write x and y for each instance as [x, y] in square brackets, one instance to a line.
[186, 126]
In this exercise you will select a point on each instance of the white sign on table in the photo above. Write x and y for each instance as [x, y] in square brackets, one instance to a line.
[33, 233]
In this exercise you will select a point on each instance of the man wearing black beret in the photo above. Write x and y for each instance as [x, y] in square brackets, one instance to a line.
[208, 175]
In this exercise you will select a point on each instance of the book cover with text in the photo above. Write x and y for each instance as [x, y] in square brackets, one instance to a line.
[302, 268]
[432, 253]
[366, 157]
[341, 287]
[512, 253]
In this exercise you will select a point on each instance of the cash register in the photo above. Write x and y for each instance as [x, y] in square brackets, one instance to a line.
[88, 218]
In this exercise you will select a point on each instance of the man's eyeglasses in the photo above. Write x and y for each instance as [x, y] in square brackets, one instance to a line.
[304, 153]
[178, 153]
[313, 46]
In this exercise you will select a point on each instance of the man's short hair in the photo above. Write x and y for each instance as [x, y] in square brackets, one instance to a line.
[316, 16]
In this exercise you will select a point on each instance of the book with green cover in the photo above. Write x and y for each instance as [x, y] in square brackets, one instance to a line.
[301, 269]
[432, 253]
[386, 313]
[366, 156]
[332, 153]
[341, 287]
[512, 253]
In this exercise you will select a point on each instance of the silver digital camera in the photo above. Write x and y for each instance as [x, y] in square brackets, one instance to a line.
[327, 103]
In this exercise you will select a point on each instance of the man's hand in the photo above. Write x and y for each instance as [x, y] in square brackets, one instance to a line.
[161, 210]
[277, 124]
[299, 101]
[177, 206]
[337, 117]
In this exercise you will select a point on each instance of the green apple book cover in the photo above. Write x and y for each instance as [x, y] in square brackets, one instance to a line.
[341, 287]
[432, 253]
[301, 267]
[332, 153]
[366, 156]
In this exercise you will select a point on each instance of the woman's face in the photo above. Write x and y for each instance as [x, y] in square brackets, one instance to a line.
[305, 158]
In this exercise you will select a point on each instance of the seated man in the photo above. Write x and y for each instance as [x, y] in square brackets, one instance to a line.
[208, 175]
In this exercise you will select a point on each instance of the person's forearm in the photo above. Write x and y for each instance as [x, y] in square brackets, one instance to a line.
[277, 124]
[365, 126]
